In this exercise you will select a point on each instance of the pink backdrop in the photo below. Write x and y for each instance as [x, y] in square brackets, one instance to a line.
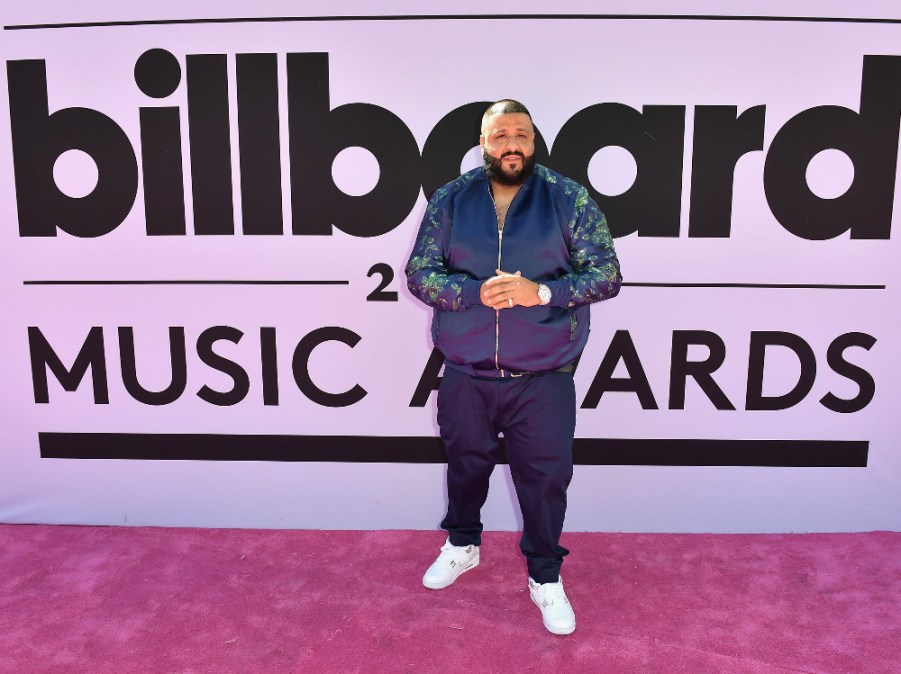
[688, 296]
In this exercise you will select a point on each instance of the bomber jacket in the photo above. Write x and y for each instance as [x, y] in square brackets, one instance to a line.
[554, 233]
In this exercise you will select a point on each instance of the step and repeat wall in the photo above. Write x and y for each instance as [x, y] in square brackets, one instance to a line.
[207, 207]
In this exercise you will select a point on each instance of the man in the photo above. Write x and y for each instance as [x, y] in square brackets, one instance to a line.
[510, 341]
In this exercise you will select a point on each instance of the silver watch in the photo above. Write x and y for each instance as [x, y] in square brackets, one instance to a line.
[544, 294]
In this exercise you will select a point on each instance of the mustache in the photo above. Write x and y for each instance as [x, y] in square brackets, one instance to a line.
[513, 153]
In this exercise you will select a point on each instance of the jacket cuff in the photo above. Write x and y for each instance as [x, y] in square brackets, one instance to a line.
[471, 288]
[559, 292]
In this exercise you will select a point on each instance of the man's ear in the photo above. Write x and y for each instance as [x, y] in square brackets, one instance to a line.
[482, 141]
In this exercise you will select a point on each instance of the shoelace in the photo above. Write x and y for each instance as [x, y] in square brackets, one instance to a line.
[551, 593]
[449, 553]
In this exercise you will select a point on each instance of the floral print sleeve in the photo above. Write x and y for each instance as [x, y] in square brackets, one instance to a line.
[426, 270]
[596, 274]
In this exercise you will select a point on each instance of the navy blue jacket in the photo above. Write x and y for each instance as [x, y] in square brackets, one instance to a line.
[554, 233]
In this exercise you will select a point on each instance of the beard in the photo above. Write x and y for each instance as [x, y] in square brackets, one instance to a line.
[495, 170]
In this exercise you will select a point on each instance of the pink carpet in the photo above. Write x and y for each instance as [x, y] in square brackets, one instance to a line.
[99, 599]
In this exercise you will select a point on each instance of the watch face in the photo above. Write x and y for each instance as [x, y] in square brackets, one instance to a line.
[544, 294]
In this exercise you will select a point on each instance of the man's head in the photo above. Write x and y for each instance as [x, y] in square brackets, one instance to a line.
[508, 142]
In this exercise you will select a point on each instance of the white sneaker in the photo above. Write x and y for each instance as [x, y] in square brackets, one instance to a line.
[452, 561]
[556, 613]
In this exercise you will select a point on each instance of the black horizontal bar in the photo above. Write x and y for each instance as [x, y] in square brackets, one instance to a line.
[632, 284]
[172, 282]
[461, 17]
[405, 449]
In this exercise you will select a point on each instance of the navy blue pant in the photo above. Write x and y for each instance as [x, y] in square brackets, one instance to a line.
[537, 416]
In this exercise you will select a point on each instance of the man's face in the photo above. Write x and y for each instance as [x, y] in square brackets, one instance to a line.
[508, 148]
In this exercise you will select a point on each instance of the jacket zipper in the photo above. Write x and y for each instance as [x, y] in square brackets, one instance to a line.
[497, 312]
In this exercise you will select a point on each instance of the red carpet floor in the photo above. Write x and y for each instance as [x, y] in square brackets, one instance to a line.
[118, 600]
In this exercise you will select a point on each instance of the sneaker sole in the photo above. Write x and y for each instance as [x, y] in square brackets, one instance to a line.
[560, 632]
[440, 586]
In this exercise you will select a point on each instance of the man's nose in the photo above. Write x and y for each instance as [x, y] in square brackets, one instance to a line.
[512, 144]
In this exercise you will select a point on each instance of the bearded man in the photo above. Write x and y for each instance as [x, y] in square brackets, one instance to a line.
[509, 256]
